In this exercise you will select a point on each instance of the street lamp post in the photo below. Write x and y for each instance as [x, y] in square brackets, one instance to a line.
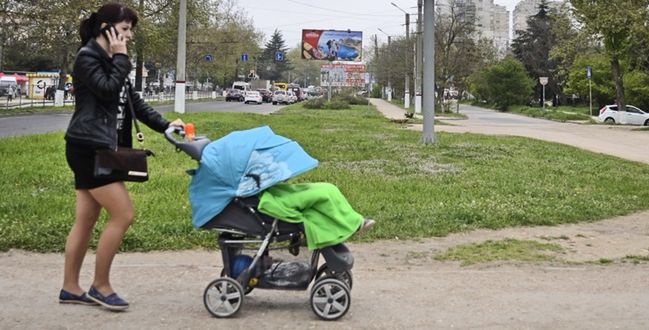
[406, 99]
[428, 134]
[179, 102]
[419, 63]
[389, 69]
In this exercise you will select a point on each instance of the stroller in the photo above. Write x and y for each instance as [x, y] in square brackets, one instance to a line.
[242, 228]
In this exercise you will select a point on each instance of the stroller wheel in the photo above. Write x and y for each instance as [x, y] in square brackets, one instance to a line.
[345, 276]
[223, 297]
[330, 299]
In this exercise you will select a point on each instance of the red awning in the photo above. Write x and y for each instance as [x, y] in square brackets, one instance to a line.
[19, 78]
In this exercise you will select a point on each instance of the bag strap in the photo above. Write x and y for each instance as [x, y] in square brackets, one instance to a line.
[138, 135]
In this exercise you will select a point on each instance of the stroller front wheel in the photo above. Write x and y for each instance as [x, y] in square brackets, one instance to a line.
[330, 298]
[223, 297]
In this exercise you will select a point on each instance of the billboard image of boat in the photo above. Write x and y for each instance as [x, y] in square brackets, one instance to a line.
[332, 45]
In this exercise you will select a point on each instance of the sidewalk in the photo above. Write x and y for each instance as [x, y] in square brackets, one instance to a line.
[388, 109]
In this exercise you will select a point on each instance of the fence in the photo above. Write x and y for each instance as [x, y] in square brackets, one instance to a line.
[23, 101]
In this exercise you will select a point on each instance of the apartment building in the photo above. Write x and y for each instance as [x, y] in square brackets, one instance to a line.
[526, 8]
[491, 20]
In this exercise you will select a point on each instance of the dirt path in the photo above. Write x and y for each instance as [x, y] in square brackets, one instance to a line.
[397, 285]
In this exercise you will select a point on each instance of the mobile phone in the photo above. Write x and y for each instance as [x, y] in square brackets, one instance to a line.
[107, 28]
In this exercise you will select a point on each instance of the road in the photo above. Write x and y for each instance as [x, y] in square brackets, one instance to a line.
[51, 122]
[622, 141]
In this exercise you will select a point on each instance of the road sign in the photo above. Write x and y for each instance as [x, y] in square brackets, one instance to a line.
[208, 58]
[244, 57]
[543, 80]
[279, 56]
[589, 71]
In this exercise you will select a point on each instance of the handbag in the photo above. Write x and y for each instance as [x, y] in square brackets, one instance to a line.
[124, 164]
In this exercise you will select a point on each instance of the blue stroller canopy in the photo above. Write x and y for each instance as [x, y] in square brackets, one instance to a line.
[242, 164]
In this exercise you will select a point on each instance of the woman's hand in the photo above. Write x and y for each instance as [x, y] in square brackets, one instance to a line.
[116, 42]
[178, 123]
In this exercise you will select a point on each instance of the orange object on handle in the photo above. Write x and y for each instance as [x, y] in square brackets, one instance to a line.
[189, 131]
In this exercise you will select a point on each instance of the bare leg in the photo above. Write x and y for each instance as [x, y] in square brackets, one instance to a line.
[76, 245]
[114, 198]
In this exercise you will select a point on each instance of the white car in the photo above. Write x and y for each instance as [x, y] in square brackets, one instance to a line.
[252, 96]
[632, 116]
[280, 97]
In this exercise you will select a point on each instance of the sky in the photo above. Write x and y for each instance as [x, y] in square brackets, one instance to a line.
[291, 16]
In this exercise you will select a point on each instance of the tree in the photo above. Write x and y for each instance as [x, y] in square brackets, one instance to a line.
[602, 85]
[570, 42]
[532, 48]
[270, 68]
[305, 72]
[614, 23]
[457, 51]
[502, 84]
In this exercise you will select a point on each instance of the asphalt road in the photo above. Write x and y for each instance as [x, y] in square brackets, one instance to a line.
[50, 122]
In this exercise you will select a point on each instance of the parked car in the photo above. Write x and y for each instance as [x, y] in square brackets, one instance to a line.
[632, 116]
[252, 96]
[234, 95]
[266, 95]
[292, 98]
[280, 97]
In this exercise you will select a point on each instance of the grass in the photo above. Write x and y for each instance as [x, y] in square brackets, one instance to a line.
[562, 114]
[464, 182]
[504, 250]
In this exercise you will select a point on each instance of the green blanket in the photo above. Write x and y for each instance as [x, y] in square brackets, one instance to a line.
[327, 216]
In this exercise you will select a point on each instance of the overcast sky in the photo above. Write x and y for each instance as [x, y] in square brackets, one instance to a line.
[291, 16]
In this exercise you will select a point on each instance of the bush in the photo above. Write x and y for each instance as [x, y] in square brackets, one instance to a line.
[315, 103]
[352, 99]
[337, 105]
[502, 84]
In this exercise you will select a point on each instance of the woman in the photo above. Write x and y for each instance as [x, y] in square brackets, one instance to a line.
[101, 120]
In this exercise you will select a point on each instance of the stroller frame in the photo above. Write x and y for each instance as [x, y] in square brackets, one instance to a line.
[240, 224]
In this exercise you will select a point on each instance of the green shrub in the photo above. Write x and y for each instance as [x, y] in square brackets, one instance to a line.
[353, 99]
[337, 105]
[502, 84]
[315, 103]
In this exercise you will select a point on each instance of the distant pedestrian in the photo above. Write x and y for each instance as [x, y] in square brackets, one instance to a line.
[11, 91]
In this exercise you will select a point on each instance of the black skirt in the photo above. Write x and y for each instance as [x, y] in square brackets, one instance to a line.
[81, 160]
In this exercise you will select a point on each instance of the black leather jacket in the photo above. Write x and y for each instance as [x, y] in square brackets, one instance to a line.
[98, 82]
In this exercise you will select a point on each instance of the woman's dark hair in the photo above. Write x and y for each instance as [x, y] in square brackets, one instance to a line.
[112, 13]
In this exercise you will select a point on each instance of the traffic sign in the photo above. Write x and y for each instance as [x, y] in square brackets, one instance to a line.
[589, 71]
[279, 56]
[543, 80]
[244, 57]
[208, 58]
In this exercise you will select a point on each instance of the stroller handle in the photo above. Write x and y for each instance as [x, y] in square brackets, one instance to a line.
[193, 148]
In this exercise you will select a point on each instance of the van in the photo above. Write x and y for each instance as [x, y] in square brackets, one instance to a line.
[242, 86]
[5, 83]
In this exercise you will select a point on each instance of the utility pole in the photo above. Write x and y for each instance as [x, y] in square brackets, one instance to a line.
[389, 91]
[406, 98]
[179, 104]
[428, 136]
[418, 66]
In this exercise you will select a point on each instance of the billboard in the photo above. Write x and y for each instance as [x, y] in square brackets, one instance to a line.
[332, 45]
[341, 74]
